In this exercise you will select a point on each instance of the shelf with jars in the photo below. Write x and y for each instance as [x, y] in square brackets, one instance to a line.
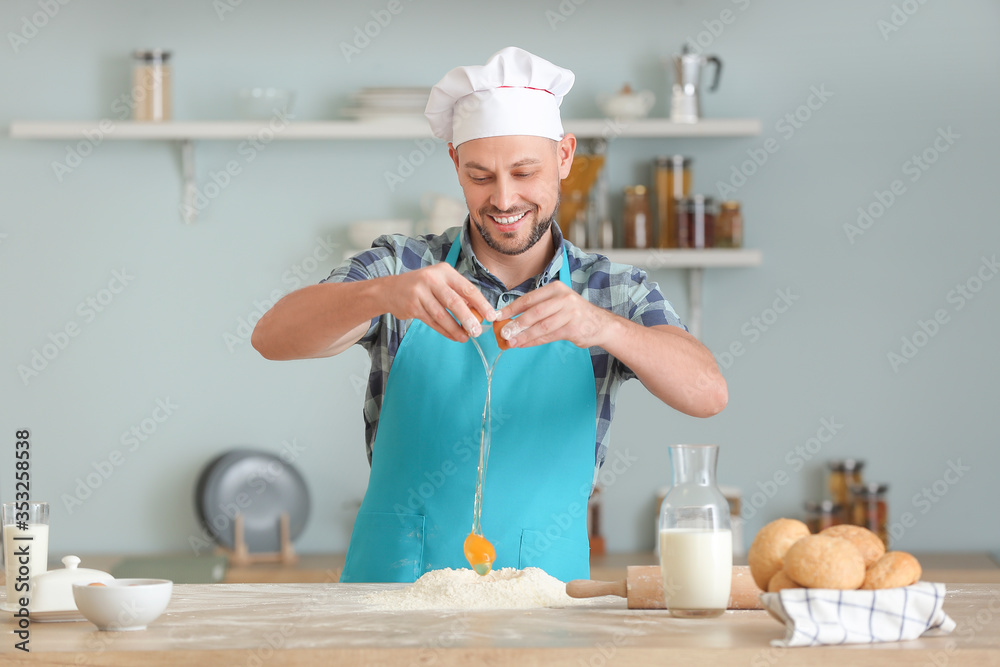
[662, 225]
[595, 132]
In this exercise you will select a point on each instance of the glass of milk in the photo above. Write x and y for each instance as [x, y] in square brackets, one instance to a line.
[25, 547]
[696, 541]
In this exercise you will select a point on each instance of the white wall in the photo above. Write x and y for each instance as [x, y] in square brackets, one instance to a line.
[163, 336]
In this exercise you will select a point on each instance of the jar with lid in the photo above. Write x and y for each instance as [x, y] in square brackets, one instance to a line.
[870, 509]
[696, 541]
[151, 83]
[729, 226]
[636, 219]
[695, 222]
[843, 473]
[821, 515]
[672, 179]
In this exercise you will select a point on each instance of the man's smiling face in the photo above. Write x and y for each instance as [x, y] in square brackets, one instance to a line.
[511, 186]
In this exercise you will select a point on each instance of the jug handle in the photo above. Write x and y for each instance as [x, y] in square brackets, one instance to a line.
[718, 70]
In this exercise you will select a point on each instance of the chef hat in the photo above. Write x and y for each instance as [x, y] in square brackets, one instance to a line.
[514, 93]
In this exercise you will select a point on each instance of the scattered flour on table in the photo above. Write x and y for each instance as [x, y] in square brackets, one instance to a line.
[507, 588]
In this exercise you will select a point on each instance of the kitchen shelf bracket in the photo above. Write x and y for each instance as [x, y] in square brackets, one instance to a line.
[694, 301]
[189, 211]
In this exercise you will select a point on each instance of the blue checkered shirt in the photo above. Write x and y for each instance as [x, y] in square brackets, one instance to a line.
[622, 289]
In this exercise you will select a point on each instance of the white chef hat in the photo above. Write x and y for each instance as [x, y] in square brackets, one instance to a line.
[514, 93]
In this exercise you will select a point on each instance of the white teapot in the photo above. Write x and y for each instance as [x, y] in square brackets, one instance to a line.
[627, 104]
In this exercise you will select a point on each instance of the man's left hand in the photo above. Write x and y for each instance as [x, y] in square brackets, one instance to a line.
[554, 312]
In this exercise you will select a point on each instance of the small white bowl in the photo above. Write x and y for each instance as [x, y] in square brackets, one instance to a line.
[123, 604]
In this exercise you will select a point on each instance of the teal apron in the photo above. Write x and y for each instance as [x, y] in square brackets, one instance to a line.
[417, 510]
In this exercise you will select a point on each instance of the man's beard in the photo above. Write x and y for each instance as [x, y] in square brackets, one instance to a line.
[537, 232]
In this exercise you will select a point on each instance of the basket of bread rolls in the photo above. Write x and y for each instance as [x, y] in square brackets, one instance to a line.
[841, 585]
[784, 554]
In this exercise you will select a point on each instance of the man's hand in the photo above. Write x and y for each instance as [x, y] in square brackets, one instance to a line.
[669, 361]
[554, 312]
[428, 294]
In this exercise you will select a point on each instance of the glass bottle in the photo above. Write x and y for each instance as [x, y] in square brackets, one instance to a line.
[729, 226]
[151, 85]
[870, 510]
[696, 541]
[672, 179]
[636, 218]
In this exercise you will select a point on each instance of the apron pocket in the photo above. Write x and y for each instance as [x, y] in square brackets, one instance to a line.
[564, 558]
[385, 547]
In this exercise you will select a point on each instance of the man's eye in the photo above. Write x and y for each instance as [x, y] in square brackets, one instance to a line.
[524, 174]
[478, 179]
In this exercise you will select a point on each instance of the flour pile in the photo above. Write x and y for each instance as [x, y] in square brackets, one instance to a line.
[507, 588]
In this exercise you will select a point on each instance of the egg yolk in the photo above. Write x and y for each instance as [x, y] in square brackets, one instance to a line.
[480, 553]
[96, 583]
[502, 342]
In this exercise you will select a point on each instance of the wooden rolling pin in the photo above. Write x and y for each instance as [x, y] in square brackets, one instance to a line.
[643, 588]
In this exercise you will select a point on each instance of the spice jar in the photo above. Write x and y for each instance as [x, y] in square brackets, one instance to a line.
[672, 179]
[729, 226]
[695, 222]
[637, 218]
[151, 85]
[822, 515]
[870, 509]
[843, 473]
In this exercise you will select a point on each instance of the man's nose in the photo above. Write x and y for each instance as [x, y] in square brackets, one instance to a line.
[504, 195]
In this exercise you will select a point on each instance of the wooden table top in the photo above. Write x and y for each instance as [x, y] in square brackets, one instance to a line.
[324, 624]
[952, 567]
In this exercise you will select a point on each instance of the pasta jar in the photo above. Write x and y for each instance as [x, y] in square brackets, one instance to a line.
[637, 218]
[843, 473]
[870, 509]
[672, 179]
[151, 85]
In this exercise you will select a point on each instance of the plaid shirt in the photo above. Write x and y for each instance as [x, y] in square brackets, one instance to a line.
[622, 289]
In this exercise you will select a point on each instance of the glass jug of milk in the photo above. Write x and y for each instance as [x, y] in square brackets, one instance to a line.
[696, 543]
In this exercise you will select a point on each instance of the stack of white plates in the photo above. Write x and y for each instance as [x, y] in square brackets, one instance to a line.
[378, 103]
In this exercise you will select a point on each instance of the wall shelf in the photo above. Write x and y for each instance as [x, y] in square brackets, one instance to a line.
[693, 262]
[398, 128]
[709, 258]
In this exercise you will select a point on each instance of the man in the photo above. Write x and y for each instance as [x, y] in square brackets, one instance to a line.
[583, 326]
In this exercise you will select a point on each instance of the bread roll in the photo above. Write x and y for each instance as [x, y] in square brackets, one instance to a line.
[766, 555]
[780, 581]
[818, 561]
[894, 569]
[867, 542]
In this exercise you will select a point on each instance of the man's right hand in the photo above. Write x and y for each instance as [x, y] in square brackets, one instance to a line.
[326, 319]
[428, 294]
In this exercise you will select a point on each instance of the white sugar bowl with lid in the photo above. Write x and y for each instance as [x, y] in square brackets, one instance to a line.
[627, 104]
[52, 591]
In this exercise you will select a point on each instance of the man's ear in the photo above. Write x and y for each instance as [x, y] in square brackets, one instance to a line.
[564, 154]
[453, 152]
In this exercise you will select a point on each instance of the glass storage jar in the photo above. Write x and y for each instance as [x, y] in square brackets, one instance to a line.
[151, 96]
[870, 509]
[729, 226]
[636, 219]
[822, 515]
[672, 180]
[843, 473]
[695, 222]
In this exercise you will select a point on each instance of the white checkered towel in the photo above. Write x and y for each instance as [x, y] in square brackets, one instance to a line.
[814, 616]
